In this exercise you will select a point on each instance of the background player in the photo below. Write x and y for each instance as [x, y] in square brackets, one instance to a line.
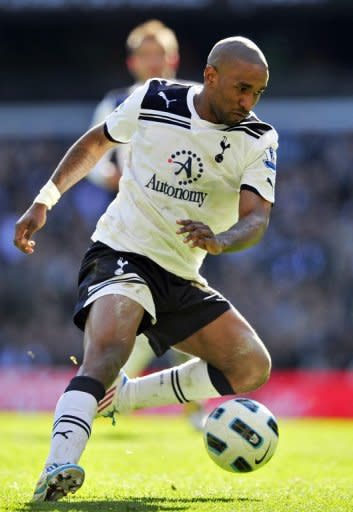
[152, 51]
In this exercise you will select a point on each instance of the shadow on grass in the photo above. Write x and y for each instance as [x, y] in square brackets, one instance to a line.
[115, 435]
[147, 504]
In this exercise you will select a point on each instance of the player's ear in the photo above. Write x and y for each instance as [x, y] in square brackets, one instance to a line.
[130, 63]
[210, 74]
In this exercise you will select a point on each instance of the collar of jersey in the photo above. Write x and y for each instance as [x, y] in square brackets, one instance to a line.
[194, 89]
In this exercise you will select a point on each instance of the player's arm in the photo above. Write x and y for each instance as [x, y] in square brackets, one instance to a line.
[107, 172]
[74, 166]
[254, 215]
[81, 157]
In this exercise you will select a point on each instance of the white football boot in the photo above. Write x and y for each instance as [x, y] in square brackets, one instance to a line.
[58, 480]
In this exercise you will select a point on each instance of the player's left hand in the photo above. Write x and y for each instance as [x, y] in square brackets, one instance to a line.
[200, 235]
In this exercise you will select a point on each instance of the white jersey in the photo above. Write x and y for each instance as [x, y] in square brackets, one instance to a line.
[181, 167]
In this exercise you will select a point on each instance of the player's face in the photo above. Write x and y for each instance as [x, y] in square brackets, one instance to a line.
[234, 90]
[151, 60]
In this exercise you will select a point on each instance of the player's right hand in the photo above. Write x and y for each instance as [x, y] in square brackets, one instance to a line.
[30, 222]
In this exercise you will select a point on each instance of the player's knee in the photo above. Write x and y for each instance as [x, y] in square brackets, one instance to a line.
[104, 357]
[252, 368]
[260, 369]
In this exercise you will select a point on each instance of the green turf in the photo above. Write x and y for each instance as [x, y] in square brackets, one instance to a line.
[149, 463]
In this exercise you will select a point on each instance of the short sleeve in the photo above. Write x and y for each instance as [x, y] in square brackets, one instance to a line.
[121, 124]
[260, 173]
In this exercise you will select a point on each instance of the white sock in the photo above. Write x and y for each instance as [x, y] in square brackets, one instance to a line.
[73, 418]
[180, 384]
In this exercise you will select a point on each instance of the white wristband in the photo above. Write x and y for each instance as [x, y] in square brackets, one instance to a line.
[48, 195]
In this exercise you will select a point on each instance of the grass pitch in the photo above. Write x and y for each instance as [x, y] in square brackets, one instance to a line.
[153, 463]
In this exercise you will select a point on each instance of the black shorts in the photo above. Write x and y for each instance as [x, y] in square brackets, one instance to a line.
[182, 307]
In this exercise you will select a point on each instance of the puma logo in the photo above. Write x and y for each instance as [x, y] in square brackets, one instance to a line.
[121, 264]
[167, 102]
[64, 434]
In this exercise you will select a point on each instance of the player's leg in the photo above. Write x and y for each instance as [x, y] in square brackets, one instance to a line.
[234, 350]
[230, 358]
[141, 357]
[194, 410]
[109, 336]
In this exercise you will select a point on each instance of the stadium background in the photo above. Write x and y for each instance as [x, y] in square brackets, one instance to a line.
[59, 57]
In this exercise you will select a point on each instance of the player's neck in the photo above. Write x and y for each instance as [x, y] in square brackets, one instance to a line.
[202, 107]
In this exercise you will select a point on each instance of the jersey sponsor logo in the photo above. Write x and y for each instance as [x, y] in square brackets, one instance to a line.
[164, 97]
[163, 187]
[224, 145]
[270, 158]
[121, 264]
[187, 165]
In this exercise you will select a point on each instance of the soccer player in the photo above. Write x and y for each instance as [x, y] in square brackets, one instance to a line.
[153, 51]
[200, 179]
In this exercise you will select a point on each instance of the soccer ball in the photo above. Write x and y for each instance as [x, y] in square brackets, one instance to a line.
[240, 435]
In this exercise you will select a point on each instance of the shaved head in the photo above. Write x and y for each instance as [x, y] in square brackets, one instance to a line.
[235, 48]
[235, 77]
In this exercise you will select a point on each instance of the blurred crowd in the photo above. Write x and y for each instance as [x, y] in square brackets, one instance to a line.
[295, 287]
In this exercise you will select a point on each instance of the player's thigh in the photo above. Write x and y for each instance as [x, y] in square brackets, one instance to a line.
[113, 319]
[224, 341]
[109, 336]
